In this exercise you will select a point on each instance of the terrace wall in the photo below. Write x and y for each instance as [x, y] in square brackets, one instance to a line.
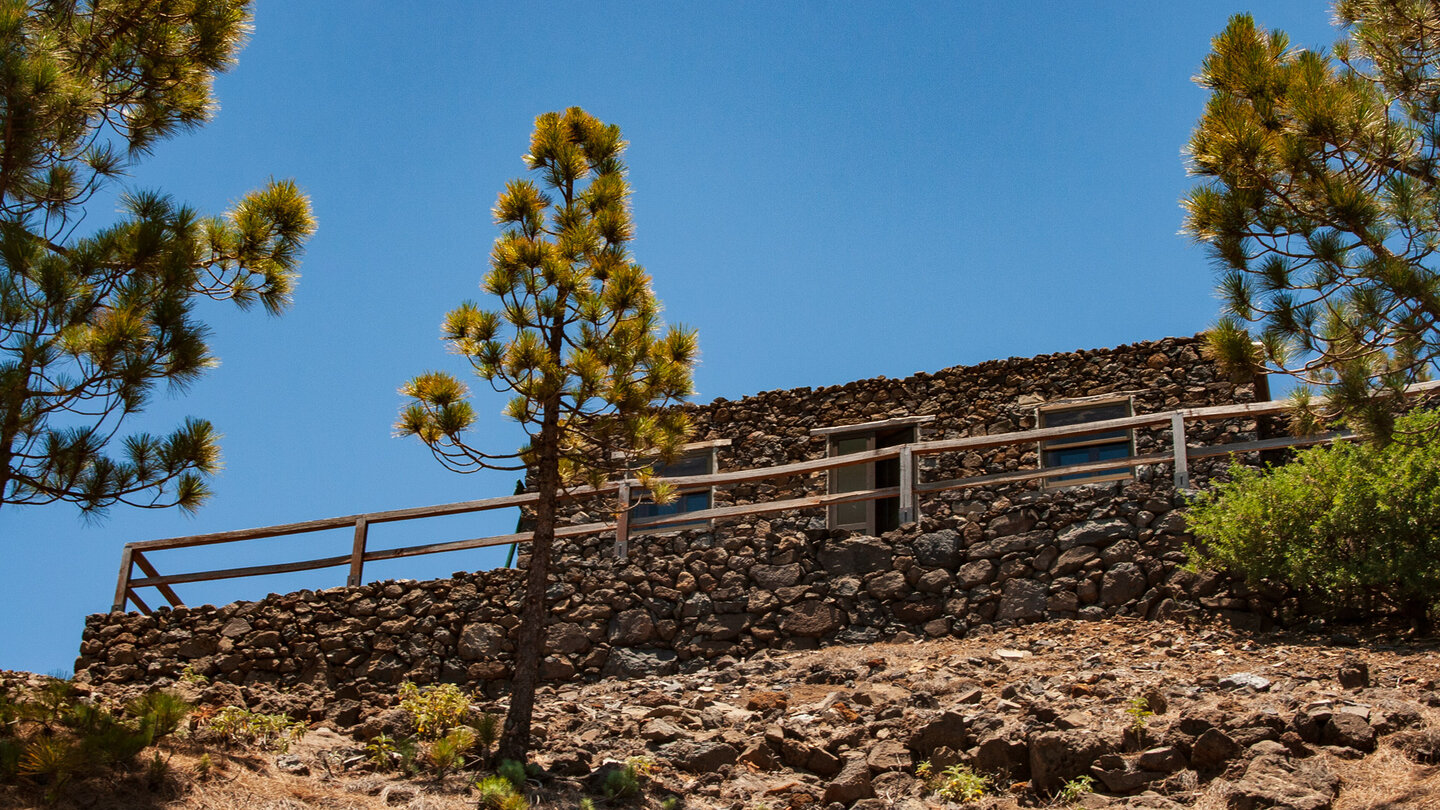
[1010, 554]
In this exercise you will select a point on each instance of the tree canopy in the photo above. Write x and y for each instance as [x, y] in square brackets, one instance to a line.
[577, 341]
[93, 320]
[1321, 204]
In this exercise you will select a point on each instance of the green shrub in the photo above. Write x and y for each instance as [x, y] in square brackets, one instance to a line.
[270, 731]
[113, 742]
[621, 783]
[434, 709]
[1354, 524]
[960, 784]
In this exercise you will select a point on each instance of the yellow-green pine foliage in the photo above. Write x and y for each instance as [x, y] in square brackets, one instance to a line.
[574, 321]
[1320, 203]
[91, 325]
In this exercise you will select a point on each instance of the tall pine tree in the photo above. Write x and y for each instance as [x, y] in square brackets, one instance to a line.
[576, 339]
[1321, 204]
[92, 321]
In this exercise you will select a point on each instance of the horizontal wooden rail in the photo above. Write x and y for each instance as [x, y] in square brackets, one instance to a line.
[1179, 454]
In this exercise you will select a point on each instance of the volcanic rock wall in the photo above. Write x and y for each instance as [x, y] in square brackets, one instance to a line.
[996, 555]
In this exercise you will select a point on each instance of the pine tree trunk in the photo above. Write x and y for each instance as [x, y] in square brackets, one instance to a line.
[515, 739]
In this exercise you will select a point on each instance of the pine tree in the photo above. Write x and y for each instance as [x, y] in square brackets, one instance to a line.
[577, 341]
[1321, 204]
[92, 321]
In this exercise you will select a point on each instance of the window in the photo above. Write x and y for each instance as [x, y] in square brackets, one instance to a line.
[698, 459]
[872, 516]
[1090, 449]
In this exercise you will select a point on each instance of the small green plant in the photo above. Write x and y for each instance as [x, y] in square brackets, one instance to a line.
[191, 676]
[923, 769]
[587, 804]
[487, 731]
[434, 709]
[204, 767]
[160, 713]
[959, 783]
[268, 731]
[448, 752]
[513, 771]
[625, 782]
[157, 771]
[670, 803]
[1076, 789]
[50, 761]
[1140, 713]
[640, 765]
[499, 793]
[621, 783]
[380, 752]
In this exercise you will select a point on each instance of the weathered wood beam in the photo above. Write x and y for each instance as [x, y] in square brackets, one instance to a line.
[165, 590]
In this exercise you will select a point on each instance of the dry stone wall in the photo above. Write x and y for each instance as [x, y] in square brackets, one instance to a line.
[978, 557]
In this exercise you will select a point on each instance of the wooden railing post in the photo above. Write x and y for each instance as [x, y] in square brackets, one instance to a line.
[908, 493]
[122, 587]
[138, 557]
[622, 522]
[1182, 462]
[909, 512]
[357, 553]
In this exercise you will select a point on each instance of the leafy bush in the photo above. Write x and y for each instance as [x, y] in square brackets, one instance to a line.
[960, 784]
[1355, 524]
[434, 709]
[381, 752]
[270, 731]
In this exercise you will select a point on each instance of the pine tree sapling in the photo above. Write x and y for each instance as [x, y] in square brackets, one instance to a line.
[1321, 205]
[576, 340]
[93, 321]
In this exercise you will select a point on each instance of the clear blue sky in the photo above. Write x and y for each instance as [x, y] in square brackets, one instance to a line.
[826, 191]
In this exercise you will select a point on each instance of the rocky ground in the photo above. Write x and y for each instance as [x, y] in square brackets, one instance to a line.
[1157, 714]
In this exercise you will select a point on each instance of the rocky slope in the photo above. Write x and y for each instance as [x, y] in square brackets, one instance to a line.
[1157, 714]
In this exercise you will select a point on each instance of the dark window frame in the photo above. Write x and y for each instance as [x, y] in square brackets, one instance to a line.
[687, 499]
[1110, 446]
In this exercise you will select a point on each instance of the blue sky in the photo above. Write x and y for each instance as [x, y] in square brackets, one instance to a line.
[826, 191]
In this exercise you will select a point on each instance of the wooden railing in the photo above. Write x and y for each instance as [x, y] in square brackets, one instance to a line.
[1179, 453]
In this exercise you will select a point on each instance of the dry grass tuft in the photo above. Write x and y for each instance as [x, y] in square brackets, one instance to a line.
[1387, 780]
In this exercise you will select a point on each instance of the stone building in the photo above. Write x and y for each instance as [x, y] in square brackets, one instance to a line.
[1102, 544]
